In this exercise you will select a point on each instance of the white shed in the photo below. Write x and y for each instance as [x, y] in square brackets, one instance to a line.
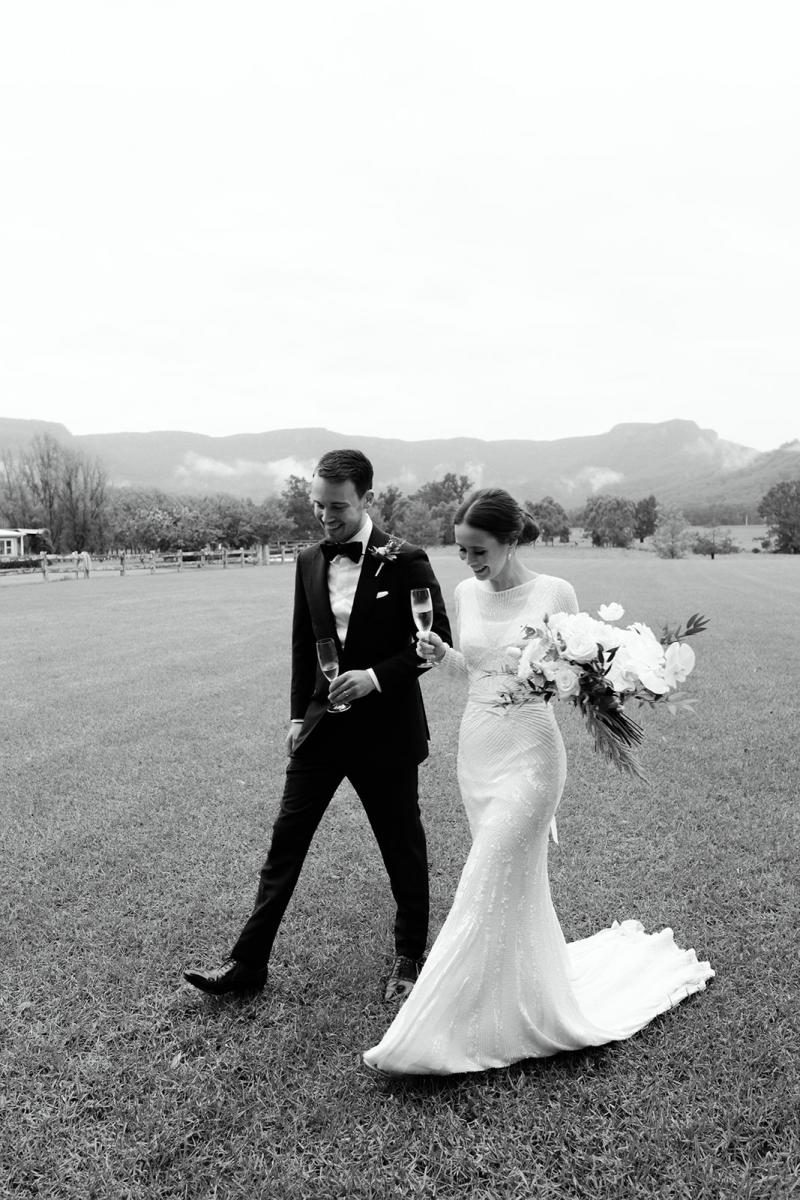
[12, 541]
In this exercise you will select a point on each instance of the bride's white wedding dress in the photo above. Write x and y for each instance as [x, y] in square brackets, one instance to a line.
[500, 983]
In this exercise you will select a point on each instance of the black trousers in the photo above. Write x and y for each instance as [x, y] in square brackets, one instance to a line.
[389, 795]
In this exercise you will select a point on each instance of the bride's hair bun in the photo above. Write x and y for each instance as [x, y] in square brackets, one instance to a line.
[496, 512]
[530, 530]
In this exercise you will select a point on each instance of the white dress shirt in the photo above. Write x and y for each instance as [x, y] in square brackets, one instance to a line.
[343, 577]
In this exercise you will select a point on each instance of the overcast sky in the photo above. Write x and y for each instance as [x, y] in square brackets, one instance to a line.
[404, 219]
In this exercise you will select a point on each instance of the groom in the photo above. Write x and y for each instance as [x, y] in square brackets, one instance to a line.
[353, 587]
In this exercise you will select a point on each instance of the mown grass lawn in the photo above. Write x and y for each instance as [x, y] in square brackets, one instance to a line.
[142, 759]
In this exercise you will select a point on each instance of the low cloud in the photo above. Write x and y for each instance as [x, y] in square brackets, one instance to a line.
[194, 468]
[735, 457]
[406, 481]
[197, 464]
[474, 471]
[725, 455]
[280, 470]
[592, 479]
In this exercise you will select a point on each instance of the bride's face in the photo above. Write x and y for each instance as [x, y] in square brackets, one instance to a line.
[483, 554]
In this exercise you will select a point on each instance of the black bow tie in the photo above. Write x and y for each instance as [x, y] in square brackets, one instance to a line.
[331, 550]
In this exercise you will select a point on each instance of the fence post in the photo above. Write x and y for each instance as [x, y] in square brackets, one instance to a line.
[224, 557]
[180, 560]
[283, 552]
[122, 562]
[152, 562]
[44, 564]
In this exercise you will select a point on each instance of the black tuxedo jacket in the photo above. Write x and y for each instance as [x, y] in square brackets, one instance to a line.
[380, 634]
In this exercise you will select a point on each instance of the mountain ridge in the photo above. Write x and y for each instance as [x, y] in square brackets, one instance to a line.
[676, 460]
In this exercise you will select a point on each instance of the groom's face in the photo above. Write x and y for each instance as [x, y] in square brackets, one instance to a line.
[338, 507]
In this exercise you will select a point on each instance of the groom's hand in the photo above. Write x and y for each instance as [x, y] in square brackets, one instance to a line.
[352, 685]
[292, 735]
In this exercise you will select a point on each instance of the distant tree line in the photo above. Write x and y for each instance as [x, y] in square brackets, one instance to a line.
[617, 521]
[67, 493]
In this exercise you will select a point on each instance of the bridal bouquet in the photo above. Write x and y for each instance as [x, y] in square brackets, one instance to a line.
[599, 667]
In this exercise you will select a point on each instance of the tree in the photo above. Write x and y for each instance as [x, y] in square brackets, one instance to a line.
[443, 498]
[645, 517]
[386, 507]
[233, 517]
[58, 488]
[271, 525]
[142, 519]
[42, 468]
[550, 517]
[82, 492]
[450, 489]
[297, 501]
[445, 515]
[720, 513]
[780, 508]
[609, 520]
[715, 542]
[190, 524]
[672, 538]
[17, 506]
[417, 524]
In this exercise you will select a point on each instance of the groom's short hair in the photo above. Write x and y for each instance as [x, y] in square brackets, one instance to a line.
[346, 464]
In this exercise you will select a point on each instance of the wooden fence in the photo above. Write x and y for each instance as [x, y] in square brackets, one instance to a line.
[61, 566]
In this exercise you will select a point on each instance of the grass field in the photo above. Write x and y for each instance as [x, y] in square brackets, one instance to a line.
[142, 760]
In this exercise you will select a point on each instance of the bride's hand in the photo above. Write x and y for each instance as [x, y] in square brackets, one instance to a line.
[430, 647]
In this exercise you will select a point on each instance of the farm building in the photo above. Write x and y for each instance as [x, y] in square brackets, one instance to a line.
[13, 544]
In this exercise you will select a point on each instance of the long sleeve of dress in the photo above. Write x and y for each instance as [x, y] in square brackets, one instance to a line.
[453, 662]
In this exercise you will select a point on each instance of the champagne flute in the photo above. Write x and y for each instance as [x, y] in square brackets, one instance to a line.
[422, 612]
[328, 660]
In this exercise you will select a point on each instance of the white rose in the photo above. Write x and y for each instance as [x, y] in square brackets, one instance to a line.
[679, 662]
[620, 679]
[567, 680]
[610, 612]
[570, 626]
[640, 658]
[578, 635]
[581, 647]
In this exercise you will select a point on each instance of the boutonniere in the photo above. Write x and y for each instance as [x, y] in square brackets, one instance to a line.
[387, 553]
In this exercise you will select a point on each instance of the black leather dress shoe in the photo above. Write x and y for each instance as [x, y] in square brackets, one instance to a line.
[232, 976]
[402, 978]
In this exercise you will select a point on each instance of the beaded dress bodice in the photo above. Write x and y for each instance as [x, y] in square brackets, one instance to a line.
[489, 621]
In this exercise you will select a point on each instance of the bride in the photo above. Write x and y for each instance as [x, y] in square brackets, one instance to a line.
[500, 983]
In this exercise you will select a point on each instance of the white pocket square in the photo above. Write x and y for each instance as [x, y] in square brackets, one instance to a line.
[380, 595]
